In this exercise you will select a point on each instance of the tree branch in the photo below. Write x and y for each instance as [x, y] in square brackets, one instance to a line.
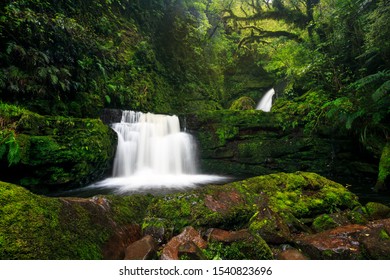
[268, 34]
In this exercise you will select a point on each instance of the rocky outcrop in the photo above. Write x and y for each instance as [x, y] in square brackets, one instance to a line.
[250, 143]
[48, 153]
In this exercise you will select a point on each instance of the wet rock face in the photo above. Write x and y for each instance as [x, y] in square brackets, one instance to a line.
[349, 242]
[376, 241]
[220, 235]
[338, 243]
[251, 142]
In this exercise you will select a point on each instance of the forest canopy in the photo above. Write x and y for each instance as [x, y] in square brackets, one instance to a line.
[77, 57]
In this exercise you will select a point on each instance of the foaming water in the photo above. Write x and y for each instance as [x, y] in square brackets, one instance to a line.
[153, 155]
[154, 184]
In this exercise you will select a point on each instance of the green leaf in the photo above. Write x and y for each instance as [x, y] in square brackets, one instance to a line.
[108, 98]
[54, 79]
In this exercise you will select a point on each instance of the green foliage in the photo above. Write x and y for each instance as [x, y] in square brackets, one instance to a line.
[9, 146]
[384, 169]
[63, 52]
[243, 103]
[255, 249]
[53, 151]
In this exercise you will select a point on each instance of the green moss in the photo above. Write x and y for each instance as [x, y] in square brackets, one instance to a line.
[224, 133]
[160, 229]
[384, 235]
[213, 206]
[129, 209]
[384, 169]
[269, 226]
[37, 227]
[356, 216]
[375, 210]
[58, 151]
[303, 194]
[26, 221]
[253, 249]
[324, 222]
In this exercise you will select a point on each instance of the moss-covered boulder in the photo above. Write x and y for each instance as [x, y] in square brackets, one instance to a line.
[375, 211]
[266, 203]
[38, 227]
[45, 153]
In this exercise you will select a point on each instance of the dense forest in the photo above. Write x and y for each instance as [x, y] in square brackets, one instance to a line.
[63, 62]
[328, 60]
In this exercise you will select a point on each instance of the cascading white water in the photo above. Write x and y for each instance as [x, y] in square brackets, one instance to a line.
[153, 152]
[265, 103]
[152, 143]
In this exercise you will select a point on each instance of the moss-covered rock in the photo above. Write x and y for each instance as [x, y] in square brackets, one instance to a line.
[248, 143]
[37, 227]
[324, 222]
[375, 210]
[54, 152]
[264, 204]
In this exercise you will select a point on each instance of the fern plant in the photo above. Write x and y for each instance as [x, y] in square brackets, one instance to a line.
[9, 147]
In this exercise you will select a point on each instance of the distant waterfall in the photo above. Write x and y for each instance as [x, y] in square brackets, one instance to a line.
[150, 143]
[265, 103]
[153, 154]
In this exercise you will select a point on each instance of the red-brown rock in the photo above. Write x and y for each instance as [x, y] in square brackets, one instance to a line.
[222, 202]
[338, 243]
[376, 241]
[186, 242]
[117, 244]
[142, 249]
[227, 236]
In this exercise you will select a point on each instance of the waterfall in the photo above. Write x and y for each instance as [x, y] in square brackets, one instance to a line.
[152, 143]
[153, 153]
[265, 103]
